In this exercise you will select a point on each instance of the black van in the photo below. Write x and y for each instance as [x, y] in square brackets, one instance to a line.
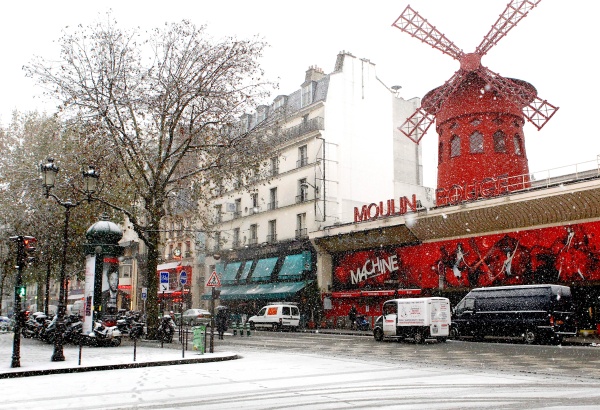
[535, 313]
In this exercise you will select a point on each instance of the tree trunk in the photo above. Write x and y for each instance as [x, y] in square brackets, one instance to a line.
[152, 307]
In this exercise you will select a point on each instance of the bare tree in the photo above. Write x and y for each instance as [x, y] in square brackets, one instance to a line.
[166, 103]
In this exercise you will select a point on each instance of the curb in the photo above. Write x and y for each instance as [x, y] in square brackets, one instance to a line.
[30, 373]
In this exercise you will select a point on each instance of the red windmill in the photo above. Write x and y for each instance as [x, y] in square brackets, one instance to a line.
[479, 113]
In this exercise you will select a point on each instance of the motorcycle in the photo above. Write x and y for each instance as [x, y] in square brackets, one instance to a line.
[32, 328]
[73, 328]
[127, 320]
[104, 335]
[166, 329]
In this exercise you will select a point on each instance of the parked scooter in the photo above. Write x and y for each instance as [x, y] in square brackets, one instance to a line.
[166, 329]
[104, 335]
[32, 328]
[362, 323]
[73, 328]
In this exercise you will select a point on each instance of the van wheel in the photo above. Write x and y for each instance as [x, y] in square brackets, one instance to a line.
[378, 334]
[252, 327]
[419, 337]
[529, 337]
[275, 327]
[454, 333]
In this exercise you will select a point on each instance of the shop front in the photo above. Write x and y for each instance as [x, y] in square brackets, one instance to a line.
[172, 295]
[253, 278]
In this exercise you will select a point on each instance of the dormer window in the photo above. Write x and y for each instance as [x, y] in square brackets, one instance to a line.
[307, 94]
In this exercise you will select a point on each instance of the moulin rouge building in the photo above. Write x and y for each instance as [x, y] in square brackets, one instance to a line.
[494, 223]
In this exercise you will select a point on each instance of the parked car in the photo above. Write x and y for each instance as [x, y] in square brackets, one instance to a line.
[195, 317]
[277, 317]
[533, 313]
[414, 318]
[6, 324]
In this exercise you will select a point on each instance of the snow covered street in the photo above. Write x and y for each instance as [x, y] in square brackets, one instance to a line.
[275, 380]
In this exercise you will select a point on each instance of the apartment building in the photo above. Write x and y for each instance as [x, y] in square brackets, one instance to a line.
[337, 147]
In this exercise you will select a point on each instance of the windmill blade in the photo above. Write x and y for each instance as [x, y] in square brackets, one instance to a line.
[420, 121]
[536, 110]
[417, 124]
[515, 11]
[412, 23]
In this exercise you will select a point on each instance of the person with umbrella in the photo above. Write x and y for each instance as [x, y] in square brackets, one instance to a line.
[221, 320]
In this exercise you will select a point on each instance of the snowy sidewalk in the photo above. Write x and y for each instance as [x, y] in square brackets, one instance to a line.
[35, 357]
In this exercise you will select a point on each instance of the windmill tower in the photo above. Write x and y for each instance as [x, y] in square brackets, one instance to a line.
[479, 114]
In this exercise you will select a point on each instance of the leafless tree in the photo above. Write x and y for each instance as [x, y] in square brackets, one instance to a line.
[166, 102]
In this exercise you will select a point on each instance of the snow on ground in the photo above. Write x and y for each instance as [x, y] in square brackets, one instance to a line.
[275, 380]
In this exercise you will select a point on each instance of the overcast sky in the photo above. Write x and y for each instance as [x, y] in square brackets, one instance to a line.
[554, 48]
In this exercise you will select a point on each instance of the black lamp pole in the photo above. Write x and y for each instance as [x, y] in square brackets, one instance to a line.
[90, 178]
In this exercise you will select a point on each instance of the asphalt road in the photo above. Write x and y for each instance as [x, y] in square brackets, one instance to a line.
[576, 362]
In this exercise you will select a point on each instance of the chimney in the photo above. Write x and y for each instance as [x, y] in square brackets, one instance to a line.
[313, 73]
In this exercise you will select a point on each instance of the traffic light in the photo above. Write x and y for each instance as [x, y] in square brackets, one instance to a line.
[29, 249]
[216, 293]
[21, 291]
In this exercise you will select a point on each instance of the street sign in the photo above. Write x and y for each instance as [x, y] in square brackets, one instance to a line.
[144, 293]
[183, 278]
[214, 280]
[164, 281]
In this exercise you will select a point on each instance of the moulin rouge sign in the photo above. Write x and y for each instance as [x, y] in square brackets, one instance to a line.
[486, 188]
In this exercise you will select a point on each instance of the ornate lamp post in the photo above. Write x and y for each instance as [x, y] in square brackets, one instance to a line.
[90, 180]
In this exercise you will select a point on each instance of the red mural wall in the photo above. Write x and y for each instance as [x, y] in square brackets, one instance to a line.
[563, 254]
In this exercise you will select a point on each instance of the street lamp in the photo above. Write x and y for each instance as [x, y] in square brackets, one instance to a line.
[90, 181]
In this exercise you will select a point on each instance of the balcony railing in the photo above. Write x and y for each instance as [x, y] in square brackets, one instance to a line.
[314, 124]
[301, 233]
[302, 162]
[254, 210]
[301, 198]
[237, 214]
[272, 238]
[253, 241]
[236, 243]
[272, 205]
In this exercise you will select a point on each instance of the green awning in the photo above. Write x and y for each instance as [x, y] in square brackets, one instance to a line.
[220, 268]
[265, 291]
[293, 267]
[230, 274]
[246, 270]
[263, 270]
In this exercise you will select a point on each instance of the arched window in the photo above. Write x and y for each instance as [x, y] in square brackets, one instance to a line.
[518, 146]
[455, 146]
[499, 141]
[440, 152]
[476, 143]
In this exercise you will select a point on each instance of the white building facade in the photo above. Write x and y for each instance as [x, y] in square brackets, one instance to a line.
[337, 148]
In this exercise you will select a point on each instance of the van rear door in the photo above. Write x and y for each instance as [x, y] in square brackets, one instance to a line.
[390, 317]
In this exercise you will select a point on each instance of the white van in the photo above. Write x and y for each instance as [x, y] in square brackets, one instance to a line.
[276, 316]
[414, 318]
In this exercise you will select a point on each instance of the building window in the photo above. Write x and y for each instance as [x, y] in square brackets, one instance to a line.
[302, 191]
[307, 95]
[217, 241]
[274, 166]
[253, 234]
[272, 236]
[272, 198]
[254, 201]
[236, 238]
[218, 213]
[476, 143]
[125, 270]
[170, 255]
[301, 226]
[188, 249]
[237, 213]
[499, 141]
[302, 156]
[440, 152]
[518, 146]
[455, 146]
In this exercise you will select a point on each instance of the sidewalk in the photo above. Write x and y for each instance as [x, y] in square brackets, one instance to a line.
[35, 357]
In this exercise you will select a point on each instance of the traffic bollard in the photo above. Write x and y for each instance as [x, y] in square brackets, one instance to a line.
[248, 329]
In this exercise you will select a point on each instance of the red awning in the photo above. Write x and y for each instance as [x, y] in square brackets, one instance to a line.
[376, 293]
